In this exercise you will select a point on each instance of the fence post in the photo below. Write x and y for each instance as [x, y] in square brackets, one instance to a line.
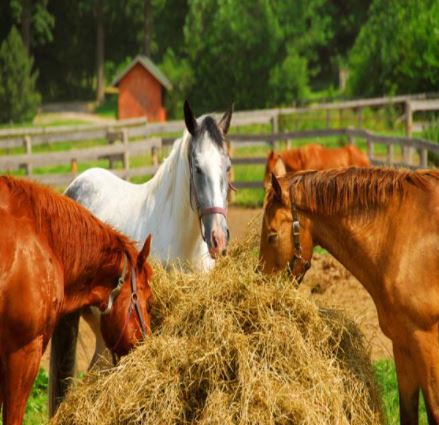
[408, 119]
[28, 146]
[231, 193]
[370, 152]
[73, 166]
[350, 138]
[154, 156]
[126, 154]
[275, 124]
[389, 154]
[424, 158]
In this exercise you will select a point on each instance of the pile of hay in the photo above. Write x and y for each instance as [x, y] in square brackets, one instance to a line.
[233, 347]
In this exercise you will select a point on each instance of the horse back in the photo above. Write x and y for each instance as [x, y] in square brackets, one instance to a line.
[357, 157]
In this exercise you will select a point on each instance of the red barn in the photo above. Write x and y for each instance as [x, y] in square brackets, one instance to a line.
[142, 89]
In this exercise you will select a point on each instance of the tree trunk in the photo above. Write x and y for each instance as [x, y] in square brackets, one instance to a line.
[100, 52]
[147, 27]
[26, 20]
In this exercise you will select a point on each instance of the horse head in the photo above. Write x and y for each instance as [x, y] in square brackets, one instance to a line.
[127, 318]
[276, 166]
[209, 165]
[284, 240]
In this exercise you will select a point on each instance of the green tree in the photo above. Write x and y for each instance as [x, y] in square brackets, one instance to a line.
[231, 46]
[35, 21]
[289, 80]
[397, 50]
[19, 99]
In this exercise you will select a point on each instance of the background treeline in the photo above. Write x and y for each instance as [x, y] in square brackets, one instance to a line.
[258, 53]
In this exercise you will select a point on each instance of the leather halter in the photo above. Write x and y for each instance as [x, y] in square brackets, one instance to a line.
[134, 303]
[296, 240]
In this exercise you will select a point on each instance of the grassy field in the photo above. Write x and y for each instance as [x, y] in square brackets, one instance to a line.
[36, 411]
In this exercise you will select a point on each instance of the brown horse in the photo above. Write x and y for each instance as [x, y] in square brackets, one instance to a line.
[55, 258]
[313, 157]
[383, 226]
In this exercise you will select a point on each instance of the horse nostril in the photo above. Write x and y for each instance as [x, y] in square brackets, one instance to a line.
[214, 240]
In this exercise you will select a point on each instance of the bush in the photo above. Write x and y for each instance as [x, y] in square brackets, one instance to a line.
[19, 99]
[397, 50]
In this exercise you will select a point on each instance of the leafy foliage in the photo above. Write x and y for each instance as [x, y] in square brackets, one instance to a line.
[397, 50]
[19, 99]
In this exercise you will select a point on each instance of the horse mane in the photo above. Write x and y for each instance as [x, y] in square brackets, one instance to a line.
[77, 237]
[181, 149]
[339, 190]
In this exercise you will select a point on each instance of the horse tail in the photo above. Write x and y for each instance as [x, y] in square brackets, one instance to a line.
[62, 359]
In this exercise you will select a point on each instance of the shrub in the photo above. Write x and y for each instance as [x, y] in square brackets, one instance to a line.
[19, 99]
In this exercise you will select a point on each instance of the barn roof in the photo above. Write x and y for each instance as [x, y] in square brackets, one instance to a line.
[149, 65]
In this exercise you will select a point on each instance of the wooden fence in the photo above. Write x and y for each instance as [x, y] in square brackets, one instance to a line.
[117, 142]
[123, 143]
[407, 146]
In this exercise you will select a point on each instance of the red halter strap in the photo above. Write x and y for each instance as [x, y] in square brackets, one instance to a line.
[212, 210]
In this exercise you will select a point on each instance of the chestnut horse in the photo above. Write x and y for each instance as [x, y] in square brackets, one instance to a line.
[383, 226]
[313, 157]
[55, 258]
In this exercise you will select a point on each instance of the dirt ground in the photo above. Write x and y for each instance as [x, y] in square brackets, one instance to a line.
[327, 282]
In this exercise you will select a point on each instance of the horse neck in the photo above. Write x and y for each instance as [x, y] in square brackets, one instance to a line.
[177, 224]
[356, 240]
[93, 281]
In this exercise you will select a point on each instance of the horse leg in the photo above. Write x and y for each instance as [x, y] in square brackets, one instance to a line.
[93, 318]
[408, 386]
[21, 368]
[62, 359]
[426, 358]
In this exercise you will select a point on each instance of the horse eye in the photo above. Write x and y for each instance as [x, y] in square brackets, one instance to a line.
[198, 170]
[272, 237]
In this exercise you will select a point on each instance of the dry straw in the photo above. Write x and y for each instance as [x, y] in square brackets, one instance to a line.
[233, 347]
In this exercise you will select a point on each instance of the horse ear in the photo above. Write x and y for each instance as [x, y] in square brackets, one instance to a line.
[224, 123]
[189, 119]
[271, 154]
[144, 253]
[276, 186]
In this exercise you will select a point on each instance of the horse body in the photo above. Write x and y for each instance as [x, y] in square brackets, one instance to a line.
[383, 226]
[55, 258]
[313, 157]
[160, 207]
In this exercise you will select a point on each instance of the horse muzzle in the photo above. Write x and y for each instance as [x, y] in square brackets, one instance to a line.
[216, 234]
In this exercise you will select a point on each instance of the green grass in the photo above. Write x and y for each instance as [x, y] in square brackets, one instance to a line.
[36, 408]
[108, 108]
[386, 377]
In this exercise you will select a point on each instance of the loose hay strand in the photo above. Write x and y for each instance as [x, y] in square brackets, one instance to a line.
[233, 347]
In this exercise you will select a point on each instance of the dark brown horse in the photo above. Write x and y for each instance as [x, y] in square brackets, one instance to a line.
[383, 226]
[313, 157]
[55, 258]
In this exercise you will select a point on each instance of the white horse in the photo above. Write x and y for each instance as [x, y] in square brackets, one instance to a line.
[183, 207]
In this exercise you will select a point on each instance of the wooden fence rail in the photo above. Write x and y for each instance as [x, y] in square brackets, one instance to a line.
[121, 147]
